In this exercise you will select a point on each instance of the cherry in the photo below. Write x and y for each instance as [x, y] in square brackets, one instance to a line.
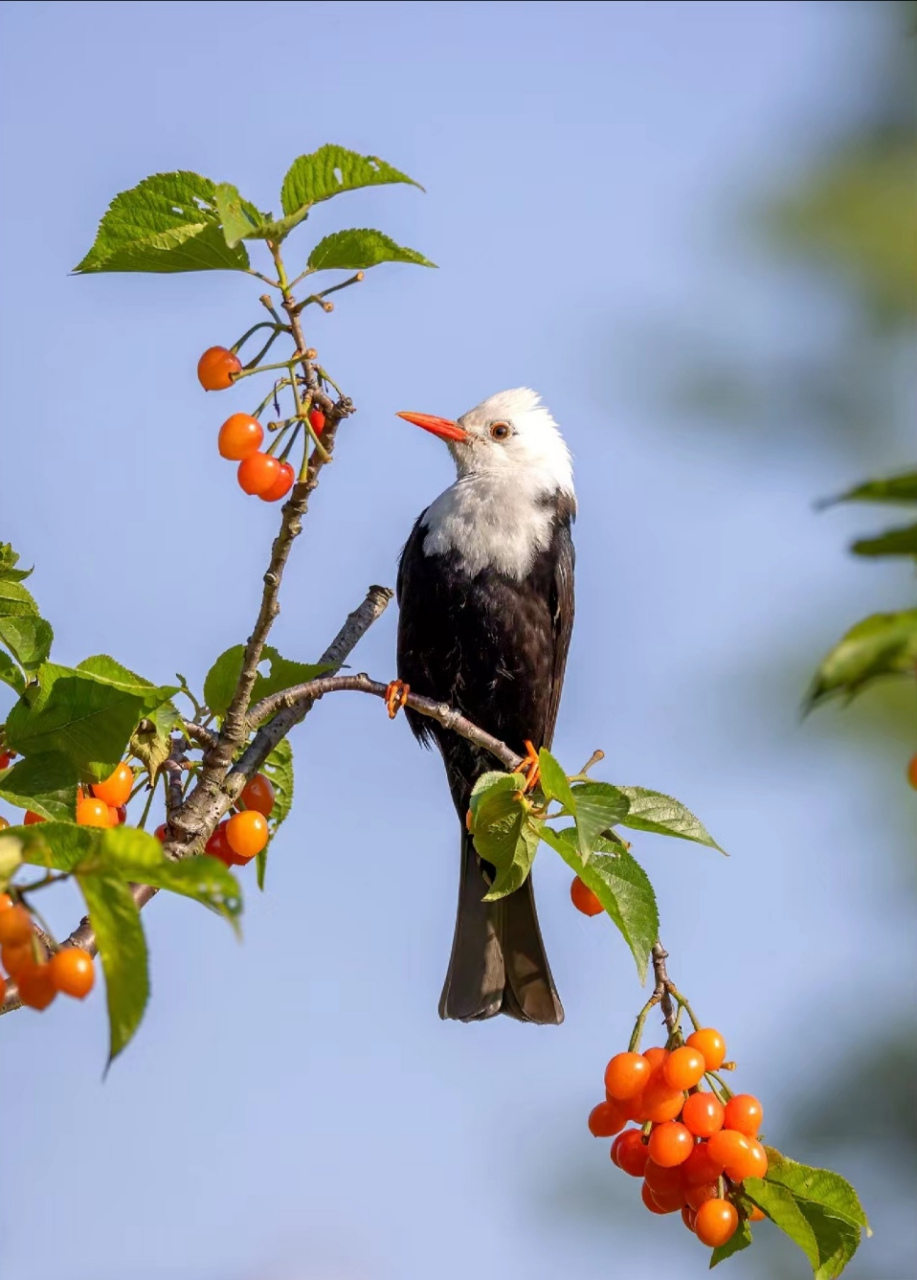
[240, 435]
[584, 899]
[912, 772]
[716, 1222]
[5, 758]
[711, 1044]
[650, 1201]
[684, 1067]
[31, 818]
[5, 902]
[17, 959]
[745, 1113]
[317, 421]
[670, 1144]
[216, 368]
[4, 823]
[703, 1114]
[626, 1075]
[247, 833]
[258, 472]
[93, 813]
[281, 486]
[161, 833]
[660, 1101]
[700, 1167]
[218, 847]
[72, 972]
[117, 787]
[36, 986]
[15, 927]
[629, 1152]
[607, 1119]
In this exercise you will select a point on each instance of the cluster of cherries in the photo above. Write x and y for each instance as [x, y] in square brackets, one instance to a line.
[39, 977]
[241, 435]
[70, 970]
[243, 836]
[692, 1150]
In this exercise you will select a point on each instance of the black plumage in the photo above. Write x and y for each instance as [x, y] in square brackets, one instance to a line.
[493, 646]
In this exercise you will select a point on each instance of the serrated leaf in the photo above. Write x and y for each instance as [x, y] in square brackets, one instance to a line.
[239, 217]
[44, 783]
[122, 948]
[823, 1186]
[330, 170]
[278, 767]
[554, 782]
[10, 673]
[8, 561]
[223, 676]
[894, 542]
[82, 715]
[620, 884]
[168, 222]
[28, 639]
[816, 1208]
[151, 742]
[653, 811]
[598, 806]
[880, 645]
[900, 489]
[741, 1240]
[505, 833]
[356, 249]
[16, 601]
[134, 856]
[829, 1242]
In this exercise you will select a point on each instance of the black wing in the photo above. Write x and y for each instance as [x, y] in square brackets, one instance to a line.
[562, 610]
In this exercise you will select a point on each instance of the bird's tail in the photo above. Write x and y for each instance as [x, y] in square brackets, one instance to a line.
[498, 962]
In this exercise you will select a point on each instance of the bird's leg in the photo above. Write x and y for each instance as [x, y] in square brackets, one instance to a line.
[396, 695]
[530, 767]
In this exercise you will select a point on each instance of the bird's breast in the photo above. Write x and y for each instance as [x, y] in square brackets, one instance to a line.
[500, 523]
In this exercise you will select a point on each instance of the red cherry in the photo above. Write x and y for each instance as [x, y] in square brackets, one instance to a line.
[281, 486]
[240, 435]
[258, 472]
[317, 421]
[216, 368]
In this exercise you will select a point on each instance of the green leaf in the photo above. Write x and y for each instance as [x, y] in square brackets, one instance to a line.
[150, 742]
[504, 830]
[10, 859]
[331, 170]
[168, 222]
[278, 767]
[223, 676]
[741, 1240]
[597, 807]
[82, 715]
[16, 601]
[880, 645]
[663, 815]
[134, 856]
[8, 561]
[239, 217]
[554, 782]
[355, 249]
[817, 1209]
[10, 673]
[28, 639]
[45, 783]
[894, 542]
[122, 947]
[620, 884]
[823, 1186]
[900, 489]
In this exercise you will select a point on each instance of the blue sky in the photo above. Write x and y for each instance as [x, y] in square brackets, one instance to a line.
[293, 1108]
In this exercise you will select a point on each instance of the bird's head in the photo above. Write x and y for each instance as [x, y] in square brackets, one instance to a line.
[511, 433]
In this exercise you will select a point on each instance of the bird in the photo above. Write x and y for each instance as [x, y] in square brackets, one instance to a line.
[486, 602]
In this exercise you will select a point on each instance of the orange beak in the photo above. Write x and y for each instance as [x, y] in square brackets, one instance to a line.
[442, 427]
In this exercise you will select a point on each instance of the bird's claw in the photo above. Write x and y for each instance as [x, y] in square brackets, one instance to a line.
[396, 695]
[530, 767]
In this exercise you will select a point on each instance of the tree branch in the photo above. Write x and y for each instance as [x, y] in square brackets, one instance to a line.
[290, 700]
[351, 633]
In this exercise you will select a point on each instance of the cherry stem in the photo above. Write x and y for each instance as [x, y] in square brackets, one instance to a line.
[277, 439]
[146, 808]
[290, 443]
[683, 1004]
[263, 324]
[278, 386]
[252, 364]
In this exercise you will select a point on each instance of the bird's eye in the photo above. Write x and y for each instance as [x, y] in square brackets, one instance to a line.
[500, 431]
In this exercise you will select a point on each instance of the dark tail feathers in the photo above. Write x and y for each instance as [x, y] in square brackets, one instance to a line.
[498, 962]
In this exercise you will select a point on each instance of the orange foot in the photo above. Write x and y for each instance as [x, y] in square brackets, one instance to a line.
[530, 767]
[396, 695]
